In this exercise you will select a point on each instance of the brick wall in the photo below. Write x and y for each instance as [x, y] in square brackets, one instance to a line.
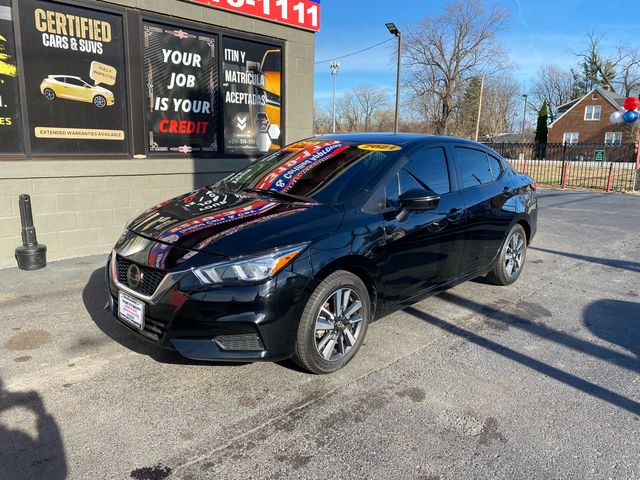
[591, 131]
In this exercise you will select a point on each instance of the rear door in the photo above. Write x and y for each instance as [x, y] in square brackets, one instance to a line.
[422, 249]
[484, 196]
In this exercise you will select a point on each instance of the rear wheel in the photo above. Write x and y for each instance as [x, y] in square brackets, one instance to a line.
[333, 324]
[511, 260]
[49, 94]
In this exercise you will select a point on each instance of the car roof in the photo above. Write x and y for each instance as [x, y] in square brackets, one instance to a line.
[67, 76]
[401, 139]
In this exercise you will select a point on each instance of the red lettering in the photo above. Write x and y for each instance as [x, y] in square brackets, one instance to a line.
[183, 126]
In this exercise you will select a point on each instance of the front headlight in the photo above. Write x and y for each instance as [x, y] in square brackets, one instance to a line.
[248, 269]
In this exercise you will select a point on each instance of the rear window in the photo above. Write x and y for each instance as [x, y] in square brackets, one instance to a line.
[474, 166]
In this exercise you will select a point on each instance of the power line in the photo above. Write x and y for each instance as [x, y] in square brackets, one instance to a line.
[354, 53]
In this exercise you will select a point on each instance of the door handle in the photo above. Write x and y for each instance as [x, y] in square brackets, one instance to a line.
[455, 214]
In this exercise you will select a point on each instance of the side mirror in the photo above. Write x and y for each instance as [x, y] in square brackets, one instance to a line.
[419, 200]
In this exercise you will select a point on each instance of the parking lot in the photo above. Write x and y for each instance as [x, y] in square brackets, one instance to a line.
[535, 381]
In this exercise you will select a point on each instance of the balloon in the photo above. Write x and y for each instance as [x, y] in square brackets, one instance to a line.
[631, 103]
[616, 117]
[630, 116]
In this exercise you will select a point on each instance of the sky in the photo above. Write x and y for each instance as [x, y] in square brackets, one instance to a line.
[541, 31]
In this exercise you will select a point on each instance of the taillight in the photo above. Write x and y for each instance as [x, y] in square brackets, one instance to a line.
[534, 186]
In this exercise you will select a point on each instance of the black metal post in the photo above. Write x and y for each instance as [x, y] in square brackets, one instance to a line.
[31, 255]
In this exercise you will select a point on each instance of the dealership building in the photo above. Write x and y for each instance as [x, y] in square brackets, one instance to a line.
[109, 107]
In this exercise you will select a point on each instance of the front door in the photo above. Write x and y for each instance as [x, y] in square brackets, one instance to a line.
[422, 249]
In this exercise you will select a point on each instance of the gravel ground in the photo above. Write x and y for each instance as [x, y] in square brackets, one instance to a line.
[538, 380]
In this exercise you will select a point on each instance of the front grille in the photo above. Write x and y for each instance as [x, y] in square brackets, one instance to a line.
[240, 343]
[151, 277]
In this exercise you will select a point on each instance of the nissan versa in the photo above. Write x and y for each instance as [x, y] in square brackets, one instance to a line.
[294, 255]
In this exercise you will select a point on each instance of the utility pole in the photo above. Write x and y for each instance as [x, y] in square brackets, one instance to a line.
[335, 68]
[479, 107]
[524, 115]
[394, 31]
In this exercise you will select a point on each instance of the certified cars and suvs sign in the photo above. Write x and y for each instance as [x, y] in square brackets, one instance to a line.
[297, 13]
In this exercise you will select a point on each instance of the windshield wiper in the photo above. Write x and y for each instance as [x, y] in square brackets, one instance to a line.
[282, 195]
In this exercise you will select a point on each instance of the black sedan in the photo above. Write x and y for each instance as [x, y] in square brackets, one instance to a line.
[296, 254]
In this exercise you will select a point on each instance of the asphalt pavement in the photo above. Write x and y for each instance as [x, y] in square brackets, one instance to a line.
[539, 380]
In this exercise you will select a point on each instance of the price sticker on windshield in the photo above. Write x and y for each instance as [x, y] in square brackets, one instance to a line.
[379, 147]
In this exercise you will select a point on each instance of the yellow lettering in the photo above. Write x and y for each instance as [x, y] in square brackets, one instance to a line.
[40, 15]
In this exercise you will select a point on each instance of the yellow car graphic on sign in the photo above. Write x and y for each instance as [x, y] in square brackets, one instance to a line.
[74, 88]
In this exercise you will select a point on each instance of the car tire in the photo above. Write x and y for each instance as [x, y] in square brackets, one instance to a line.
[99, 101]
[511, 259]
[49, 94]
[321, 350]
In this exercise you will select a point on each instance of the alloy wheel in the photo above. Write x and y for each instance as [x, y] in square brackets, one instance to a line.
[514, 255]
[99, 102]
[338, 324]
[49, 94]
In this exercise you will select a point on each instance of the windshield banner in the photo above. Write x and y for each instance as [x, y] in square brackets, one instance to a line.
[282, 178]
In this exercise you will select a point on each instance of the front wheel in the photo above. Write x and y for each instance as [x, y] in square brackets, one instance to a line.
[512, 256]
[49, 94]
[333, 324]
[99, 101]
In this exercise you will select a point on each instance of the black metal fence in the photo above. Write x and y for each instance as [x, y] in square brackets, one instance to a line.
[579, 152]
[602, 167]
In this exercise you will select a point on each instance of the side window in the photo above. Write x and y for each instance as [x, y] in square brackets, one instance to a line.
[496, 166]
[428, 168]
[474, 167]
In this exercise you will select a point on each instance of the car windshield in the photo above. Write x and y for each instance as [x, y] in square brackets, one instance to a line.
[327, 171]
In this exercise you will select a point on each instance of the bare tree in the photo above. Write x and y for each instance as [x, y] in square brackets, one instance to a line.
[554, 86]
[348, 112]
[628, 79]
[500, 106]
[596, 68]
[369, 100]
[322, 120]
[442, 50]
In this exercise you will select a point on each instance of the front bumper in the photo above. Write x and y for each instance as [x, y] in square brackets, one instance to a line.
[231, 323]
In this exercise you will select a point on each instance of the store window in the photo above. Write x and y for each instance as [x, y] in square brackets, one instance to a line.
[95, 85]
[181, 74]
[252, 97]
[10, 131]
[75, 79]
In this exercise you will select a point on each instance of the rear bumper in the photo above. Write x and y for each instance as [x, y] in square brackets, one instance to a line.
[239, 323]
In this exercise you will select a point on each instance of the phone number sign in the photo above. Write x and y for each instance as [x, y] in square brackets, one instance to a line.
[297, 13]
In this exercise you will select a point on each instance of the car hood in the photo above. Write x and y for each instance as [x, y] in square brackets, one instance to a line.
[234, 224]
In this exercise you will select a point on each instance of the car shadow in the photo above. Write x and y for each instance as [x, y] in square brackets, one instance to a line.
[23, 456]
[94, 297]
[527, 361]
[508, 319]
[616, 322]
[608, 262]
